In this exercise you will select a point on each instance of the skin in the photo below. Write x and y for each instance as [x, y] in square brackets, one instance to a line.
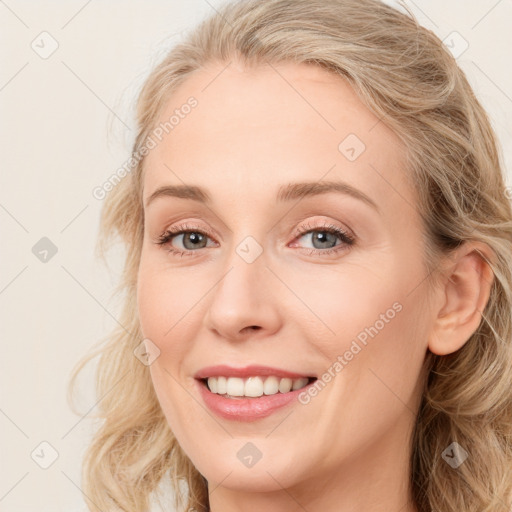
[253, 131]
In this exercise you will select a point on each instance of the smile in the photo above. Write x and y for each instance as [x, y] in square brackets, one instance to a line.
[242, 408]
[254, 386]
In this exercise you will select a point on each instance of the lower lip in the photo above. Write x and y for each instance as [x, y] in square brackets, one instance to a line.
[247, 409]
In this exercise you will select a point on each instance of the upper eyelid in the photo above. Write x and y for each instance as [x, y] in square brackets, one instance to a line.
[345, 243]
[305, 228]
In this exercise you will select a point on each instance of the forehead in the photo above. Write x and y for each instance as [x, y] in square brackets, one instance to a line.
[254, 129]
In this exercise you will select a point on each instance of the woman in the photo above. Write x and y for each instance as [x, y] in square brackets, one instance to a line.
[318, 275]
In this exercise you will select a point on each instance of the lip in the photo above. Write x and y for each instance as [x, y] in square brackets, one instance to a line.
[247, 371]
[247, 409]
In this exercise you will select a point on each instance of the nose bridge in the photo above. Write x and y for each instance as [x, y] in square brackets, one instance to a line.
[243, 297]
[244, 277]
[244, 267]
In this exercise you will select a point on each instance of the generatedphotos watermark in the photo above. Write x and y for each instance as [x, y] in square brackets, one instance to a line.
[152, 140]
[355, 347]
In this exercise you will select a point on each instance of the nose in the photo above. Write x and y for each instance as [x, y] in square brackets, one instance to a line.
[244, 303]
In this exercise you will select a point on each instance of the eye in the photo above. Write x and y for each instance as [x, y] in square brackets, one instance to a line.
[324, 238]
[192, 238]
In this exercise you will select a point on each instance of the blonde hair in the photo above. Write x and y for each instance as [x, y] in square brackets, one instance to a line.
[405, 75]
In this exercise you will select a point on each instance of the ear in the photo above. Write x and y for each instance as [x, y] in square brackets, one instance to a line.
[464, 294]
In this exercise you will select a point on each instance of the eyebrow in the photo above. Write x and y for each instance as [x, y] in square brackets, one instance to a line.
[287, 192]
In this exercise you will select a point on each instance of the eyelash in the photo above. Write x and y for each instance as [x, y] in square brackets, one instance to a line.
[347, 239]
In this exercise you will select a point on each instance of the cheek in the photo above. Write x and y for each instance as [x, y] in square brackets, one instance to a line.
[151, 305]
[375, 358]
[341, 303]
[165, 299]
[180, 411]
[383, 353]
[367, 315]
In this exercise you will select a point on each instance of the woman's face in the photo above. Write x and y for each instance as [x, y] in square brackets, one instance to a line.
[320, 279]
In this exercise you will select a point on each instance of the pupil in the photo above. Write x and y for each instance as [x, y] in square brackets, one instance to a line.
[194, 238]
[323, 238]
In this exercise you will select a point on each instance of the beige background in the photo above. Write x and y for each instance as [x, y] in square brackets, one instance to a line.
[66, 126]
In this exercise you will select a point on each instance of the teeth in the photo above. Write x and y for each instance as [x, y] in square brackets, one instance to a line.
[285, 385]
[254, 386]
[221, 385]
[235, 387]
[299, 383]
[212, 384]
[271, 386]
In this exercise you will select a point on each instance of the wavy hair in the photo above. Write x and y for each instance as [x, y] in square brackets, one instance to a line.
[404, 74]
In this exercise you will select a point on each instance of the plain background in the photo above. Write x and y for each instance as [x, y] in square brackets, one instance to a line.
[66, 126]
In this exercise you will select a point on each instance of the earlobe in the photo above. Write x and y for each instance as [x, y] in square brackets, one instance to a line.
[465, 293]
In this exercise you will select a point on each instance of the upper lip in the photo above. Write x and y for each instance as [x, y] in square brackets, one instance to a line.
[246, 371]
